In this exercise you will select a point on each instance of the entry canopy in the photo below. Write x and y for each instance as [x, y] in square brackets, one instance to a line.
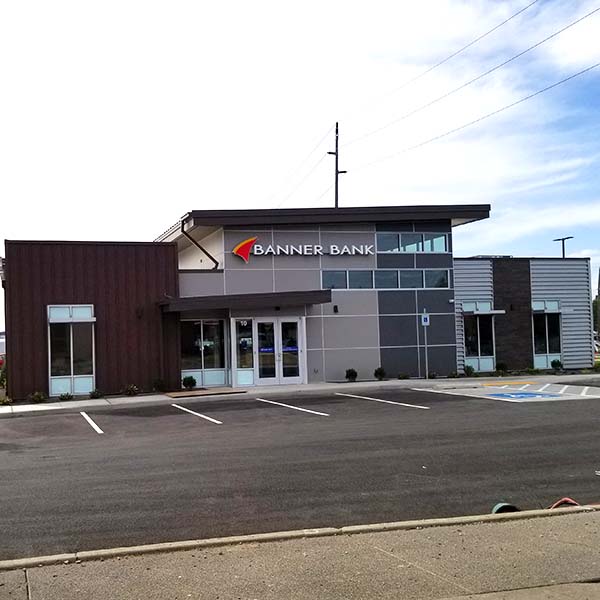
[249, 301]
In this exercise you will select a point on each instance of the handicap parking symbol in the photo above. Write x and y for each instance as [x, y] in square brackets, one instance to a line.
[517, 395]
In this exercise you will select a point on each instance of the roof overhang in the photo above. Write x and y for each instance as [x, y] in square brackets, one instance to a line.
[458, 214]
[268, 300]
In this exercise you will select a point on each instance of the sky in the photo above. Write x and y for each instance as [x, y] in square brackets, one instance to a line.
[118, 117]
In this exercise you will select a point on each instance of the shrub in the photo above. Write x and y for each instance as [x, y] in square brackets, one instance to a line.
[3, 376]
[469, 371]
[403, 376]
[66, 396]
[379, 373]
[131, 390]
[432, 375]
[532, 371]
[452, 375]
[96, 394]
[189, 382]
[501, 367]
[351, 374]
[36, 397]
[556, 365]
[158, 385]
[5, 401]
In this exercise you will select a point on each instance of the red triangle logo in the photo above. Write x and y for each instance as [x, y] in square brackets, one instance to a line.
[243, 248]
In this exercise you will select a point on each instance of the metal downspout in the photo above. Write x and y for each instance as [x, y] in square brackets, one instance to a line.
[189, 237]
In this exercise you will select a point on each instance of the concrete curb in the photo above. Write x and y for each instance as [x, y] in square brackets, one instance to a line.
[39, 561]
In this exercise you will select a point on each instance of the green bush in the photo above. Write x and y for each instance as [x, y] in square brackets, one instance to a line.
[556, 365]
[5, 401]
[189, 382]
[469, 371]
[351, 374]
[452, 375]
[432, 375]
[532, 371]
[3, 376]
[403, 376]
[36, 397]
[379, 373]
[96, 394]
[501, 367]
[131, 390]
[66, 396]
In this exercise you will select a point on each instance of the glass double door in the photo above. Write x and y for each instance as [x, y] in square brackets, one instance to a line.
[278, 350]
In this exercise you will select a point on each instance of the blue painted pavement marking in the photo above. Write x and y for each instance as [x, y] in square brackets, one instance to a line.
[517, 395]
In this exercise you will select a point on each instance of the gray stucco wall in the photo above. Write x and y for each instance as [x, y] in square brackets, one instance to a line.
[348, 332]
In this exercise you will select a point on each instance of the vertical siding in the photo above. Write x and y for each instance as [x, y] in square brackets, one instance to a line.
[473, 280]
[124, 281]
[569, 281]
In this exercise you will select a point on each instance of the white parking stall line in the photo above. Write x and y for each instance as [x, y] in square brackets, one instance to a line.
[385, 401]
[584, 391]
[544, 387]
[197, 414]
[524, 387]
[313, 412]
[563, 389]
[91, 423]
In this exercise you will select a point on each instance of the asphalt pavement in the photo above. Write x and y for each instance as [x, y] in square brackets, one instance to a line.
[239, 465]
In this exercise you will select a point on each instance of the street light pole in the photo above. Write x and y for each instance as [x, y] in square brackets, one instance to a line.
[562, 240]
[337, 171]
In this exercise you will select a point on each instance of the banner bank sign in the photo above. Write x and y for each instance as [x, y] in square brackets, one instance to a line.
[247, 247]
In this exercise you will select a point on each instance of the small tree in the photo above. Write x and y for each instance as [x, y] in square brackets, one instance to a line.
[189, 382]
[379, 373]
[556, 364]
[469, 371]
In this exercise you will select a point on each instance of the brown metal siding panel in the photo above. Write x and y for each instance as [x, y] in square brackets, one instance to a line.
[512, 293]
[125, 282]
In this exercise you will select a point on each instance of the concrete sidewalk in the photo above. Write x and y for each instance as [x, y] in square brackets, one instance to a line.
[535, 558]
[391, 384]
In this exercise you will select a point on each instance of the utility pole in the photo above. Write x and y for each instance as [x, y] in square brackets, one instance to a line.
[337, 163]
[562, 240]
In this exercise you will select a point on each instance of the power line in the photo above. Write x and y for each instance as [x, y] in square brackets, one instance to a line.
[478, 39]
[464, 85]
[295, 171]
[459, 51]
[478, 120]
[299, 184]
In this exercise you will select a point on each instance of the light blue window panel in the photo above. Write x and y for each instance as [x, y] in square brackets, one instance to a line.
[245, 376]
[469, 306]
[552, 357]
[82, 313]
[59, 313]
[214, 377]
[540, 361]
[83, 385]
[486, 365]
[60, 385]
[484, 306]
[552, 305]
[195, 373]
[472, 362]
[538, 305]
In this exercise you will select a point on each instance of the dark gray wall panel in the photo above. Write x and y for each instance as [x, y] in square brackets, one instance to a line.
[434, 261]
[397, 226]
[435, 301]
[426, 226]
[441, 360]
[398, 331]
[396, 361]
[442, 330]
[397, 302]
[395, 261]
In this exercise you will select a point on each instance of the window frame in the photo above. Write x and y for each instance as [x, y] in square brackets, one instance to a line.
[345, 271]
[446, 287]
[70, 320]
[547, 334]
[350, 271]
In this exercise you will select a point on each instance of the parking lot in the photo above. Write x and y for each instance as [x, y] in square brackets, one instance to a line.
[197, 468]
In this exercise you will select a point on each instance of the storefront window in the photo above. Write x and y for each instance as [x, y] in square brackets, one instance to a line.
[213, 347]
[539, 334]
[386, 279]
[471, 337]
[243, 332]
[83, 358]
[333, 280]
[546, 333]
[411, 279]
[360, 280]
[191, 345]
[388, 242]
[60, 349]
[479, 335]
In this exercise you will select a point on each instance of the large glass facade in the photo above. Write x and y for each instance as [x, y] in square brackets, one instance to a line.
[203, 351]
[479, 342]
[546, 339]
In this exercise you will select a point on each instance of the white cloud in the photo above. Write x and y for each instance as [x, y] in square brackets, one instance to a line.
[594, 255]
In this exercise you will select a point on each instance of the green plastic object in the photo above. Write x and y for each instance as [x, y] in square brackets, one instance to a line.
[504, 507]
